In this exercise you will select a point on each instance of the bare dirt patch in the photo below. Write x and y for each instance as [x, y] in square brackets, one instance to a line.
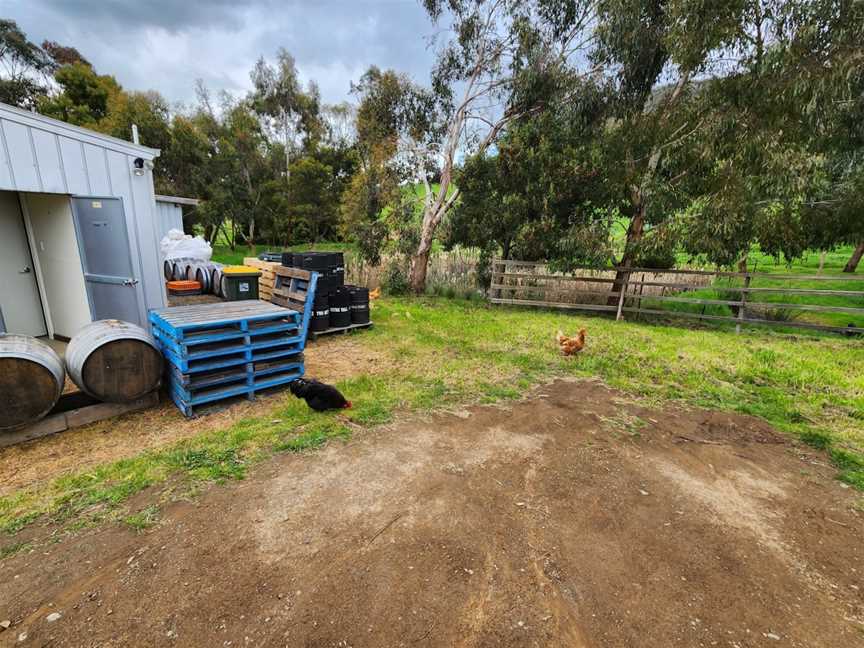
[573, 518]
[329, 359]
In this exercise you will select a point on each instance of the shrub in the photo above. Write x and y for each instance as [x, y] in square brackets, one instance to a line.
[395, 280]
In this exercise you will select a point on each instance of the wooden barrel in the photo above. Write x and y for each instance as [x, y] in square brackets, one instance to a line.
[114, 361]
[31, 380]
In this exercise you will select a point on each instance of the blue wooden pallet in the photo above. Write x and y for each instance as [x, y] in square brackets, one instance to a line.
[230, 349]
[187, 402]
[234, 373]
[206, 323]
[204, 359]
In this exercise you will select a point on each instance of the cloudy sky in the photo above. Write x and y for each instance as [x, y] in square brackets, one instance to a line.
[167, 44]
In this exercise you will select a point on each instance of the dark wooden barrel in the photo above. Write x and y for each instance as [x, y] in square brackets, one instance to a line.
[359, 304]
[114, 361]
[320, 320]
[340, 308]
[31, 380]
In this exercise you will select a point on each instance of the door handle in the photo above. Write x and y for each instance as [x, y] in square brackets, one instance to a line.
[130, 282]
[26, 270]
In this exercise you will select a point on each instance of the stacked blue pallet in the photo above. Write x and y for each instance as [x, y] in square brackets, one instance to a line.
[228, 349]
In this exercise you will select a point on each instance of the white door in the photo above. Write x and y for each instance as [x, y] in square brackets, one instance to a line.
[20, 305]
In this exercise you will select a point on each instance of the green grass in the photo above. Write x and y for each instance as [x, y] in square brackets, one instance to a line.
[143, 519]
[767, 305]
[12, 549]
[440, 353]
[224, 254]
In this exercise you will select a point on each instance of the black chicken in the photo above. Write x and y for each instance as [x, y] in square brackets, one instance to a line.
[318, 396]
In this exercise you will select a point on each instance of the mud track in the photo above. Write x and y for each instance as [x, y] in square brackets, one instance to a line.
[573, 518]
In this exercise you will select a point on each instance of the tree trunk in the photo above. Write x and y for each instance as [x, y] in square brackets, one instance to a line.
[251, 240]
[634, 235]
[852, 264]
[420, 260]
[432, 216]
[822, 261]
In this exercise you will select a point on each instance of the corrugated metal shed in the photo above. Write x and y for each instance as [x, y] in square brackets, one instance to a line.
[169, 212]
[42, 155]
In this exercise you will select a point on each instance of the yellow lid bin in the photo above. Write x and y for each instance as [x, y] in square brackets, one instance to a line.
[240, 282]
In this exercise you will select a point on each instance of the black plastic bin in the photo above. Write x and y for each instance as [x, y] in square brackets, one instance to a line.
[320, 320]
[340, 308]
[359, 304]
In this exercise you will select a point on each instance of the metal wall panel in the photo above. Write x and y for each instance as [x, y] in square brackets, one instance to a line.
[24, 171]
[6, 179]
[144, 201]
[168, 216]
[72, 156]
[50, 167]
[97, 170]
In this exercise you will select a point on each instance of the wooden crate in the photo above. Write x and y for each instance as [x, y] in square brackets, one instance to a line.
[267, 280]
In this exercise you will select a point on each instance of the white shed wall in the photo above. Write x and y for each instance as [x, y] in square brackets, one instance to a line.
[43, 155]
[168, 216]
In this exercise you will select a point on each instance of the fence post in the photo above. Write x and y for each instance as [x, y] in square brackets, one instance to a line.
[621, 296]
[743, 304]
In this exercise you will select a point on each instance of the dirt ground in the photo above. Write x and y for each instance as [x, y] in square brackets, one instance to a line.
[329, 359]
[572, 518]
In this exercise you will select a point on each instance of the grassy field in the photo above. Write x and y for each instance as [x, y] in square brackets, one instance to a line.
[439, 353]
[775, 306]
[224, 254]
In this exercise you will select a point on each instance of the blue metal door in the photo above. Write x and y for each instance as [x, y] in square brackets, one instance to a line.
[103, 242]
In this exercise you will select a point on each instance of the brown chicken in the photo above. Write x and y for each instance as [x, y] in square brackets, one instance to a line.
[571, 344]
[375, 294]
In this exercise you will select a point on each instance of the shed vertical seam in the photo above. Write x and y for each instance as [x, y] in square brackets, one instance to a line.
[6, 153]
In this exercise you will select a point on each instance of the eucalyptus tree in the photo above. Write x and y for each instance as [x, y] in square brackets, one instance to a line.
[24, 67]
[283, 104]
[498, 61]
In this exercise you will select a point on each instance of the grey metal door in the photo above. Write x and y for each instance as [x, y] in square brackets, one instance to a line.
[105, 254]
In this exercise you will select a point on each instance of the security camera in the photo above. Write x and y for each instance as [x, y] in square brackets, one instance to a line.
[140, 164]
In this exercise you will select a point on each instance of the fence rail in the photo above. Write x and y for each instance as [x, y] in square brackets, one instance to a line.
[645, 291]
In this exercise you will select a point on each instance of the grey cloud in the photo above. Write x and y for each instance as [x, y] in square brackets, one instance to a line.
[167, 45]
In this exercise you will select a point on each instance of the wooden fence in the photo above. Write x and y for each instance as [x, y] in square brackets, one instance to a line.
[749, 296]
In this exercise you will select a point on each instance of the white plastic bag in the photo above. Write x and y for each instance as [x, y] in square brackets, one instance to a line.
[177, 245]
